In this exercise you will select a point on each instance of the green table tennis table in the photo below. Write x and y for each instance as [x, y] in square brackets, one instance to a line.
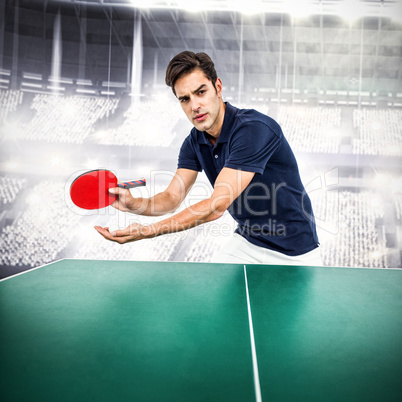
[81, 330]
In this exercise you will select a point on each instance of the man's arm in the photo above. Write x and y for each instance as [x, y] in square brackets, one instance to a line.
[228, 186]
[160, 204]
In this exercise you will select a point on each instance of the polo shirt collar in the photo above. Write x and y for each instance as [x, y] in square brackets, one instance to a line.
[230, 113]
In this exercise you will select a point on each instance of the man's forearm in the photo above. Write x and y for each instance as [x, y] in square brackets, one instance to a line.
[202, 212]
[160, 204]
[166, 201]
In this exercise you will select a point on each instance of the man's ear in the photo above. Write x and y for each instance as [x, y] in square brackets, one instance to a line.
[218, 87]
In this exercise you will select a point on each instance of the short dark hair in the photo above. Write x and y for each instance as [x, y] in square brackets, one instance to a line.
[185, 63]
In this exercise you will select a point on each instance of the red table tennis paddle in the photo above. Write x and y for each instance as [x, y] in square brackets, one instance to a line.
[91, 189]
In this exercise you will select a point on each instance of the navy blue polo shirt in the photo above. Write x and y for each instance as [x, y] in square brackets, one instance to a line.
[274, 210]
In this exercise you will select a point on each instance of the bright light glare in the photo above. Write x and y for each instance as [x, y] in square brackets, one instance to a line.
[387, 183]
[335, 132]
[55, 161]
[99, 135]
[33, 199]
[11, 130]
[162, 96]
[190, 5]
[299, 8]
[85, 233]
[91, 164]
[375, 255]
[376, 126]
[43, 216]
[352, 10]
[381, 180]
[69, 110]
[396, 185]
[375, 203]
[145, 3]
[10, 165]
[248, 7]
[393, 11]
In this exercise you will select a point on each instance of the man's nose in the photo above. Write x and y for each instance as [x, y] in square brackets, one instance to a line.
[195, 105]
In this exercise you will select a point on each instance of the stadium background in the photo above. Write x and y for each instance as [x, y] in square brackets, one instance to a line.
[82, 87]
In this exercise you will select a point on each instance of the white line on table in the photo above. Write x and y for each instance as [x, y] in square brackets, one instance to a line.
[253, 350]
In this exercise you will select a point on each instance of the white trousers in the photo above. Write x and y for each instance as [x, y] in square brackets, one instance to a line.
[241, 251]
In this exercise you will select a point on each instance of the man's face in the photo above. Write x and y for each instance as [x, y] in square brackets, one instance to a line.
[201, 102]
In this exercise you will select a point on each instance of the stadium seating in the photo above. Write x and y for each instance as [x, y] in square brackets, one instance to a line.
[41, 231]
[66, 119]
[353, 241]
[379, 132]
[311, 129]
[149, 123]
[9, 101]
[10, 187]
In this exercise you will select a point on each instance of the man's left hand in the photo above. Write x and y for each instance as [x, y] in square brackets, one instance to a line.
[133, 232]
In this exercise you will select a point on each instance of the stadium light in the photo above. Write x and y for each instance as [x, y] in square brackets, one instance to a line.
[249, 7]
[188, 5]
[192, 6]
[85, 91]
[52, 87]
[352, 10]
[146, 3]
[299, 8]
[31, 85]
[54, 80]
[32, 76]
[112, 93]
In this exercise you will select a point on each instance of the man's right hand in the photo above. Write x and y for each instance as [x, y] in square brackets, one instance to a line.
[125, 201]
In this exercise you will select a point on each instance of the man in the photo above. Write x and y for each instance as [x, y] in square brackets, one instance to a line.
[250, 165]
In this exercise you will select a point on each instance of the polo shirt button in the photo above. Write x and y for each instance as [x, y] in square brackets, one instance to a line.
[216, 156]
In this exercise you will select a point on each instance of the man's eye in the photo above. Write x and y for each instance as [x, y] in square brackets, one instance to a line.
[202, 92]
[183, 100]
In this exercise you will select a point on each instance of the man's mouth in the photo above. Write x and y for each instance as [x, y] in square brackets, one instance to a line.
[200, 117]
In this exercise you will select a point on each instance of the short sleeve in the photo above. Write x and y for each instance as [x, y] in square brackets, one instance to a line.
[251, 146]
[187, 156]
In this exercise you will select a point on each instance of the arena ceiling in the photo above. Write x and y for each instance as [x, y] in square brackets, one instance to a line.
[327, 44]
[331, 7]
